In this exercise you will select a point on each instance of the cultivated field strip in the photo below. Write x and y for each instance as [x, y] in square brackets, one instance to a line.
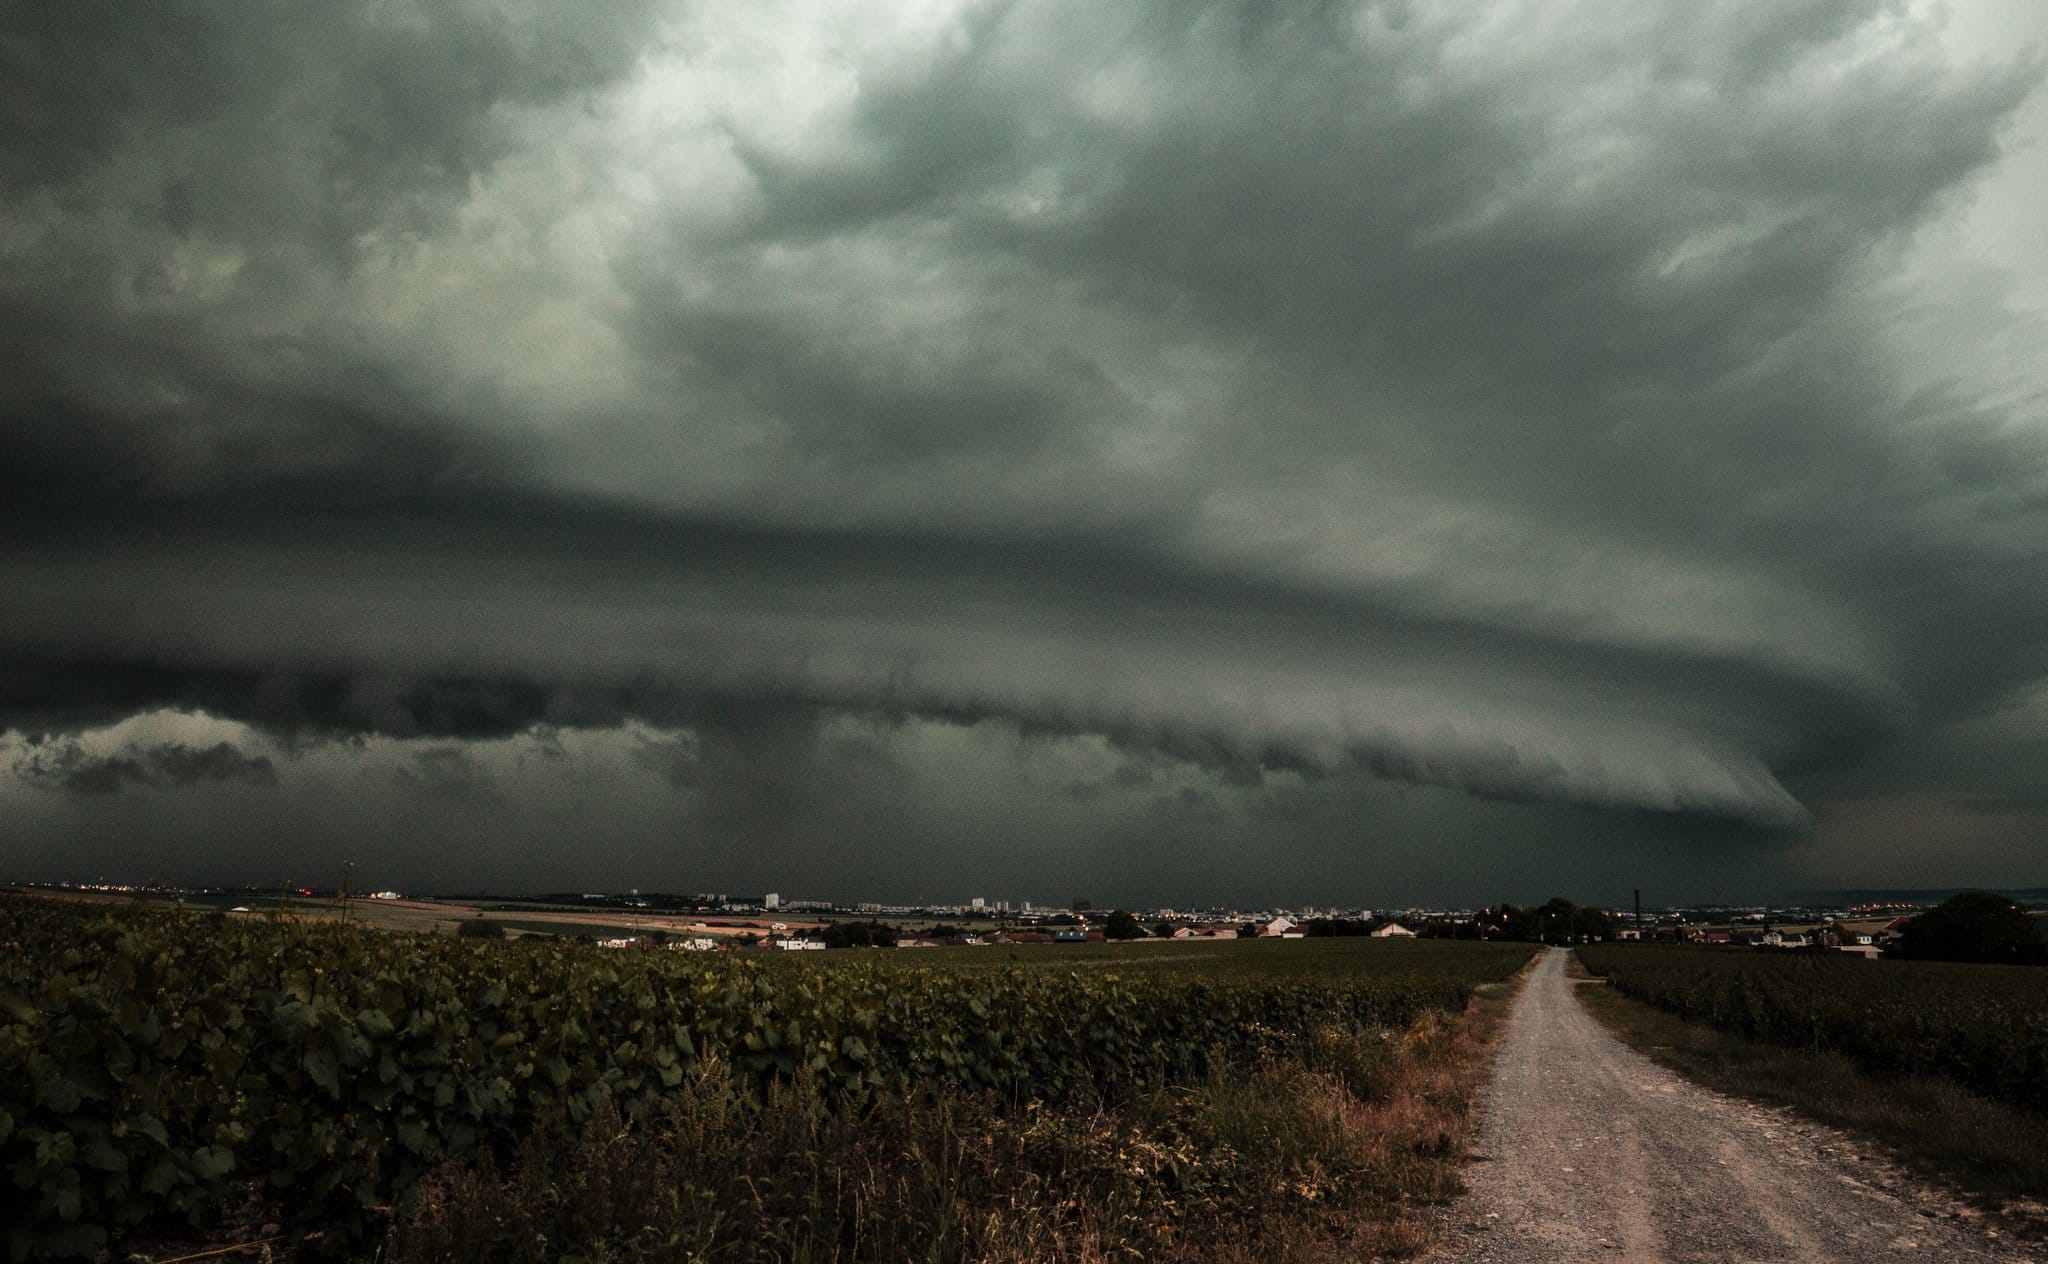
[1983, 1026]
[152, 1065]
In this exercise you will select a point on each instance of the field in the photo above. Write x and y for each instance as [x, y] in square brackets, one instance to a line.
[1984, 1027]
[159, 1070]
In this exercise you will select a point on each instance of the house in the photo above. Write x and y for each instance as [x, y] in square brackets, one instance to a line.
[1276, 929]
[798, 945]
[1020, 937]
[1393, 930]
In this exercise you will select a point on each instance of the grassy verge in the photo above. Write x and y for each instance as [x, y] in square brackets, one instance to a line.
[1331, 1154]
[1994, 1155]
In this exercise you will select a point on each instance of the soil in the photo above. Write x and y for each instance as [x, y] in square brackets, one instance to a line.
[1590, 1151]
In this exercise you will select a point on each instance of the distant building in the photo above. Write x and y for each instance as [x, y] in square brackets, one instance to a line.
[1393, 930]
[1020, 937]
[1276, 929]
[979, 904]
[771, 901]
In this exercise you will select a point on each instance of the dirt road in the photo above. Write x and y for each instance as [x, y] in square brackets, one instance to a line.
[1592, 1152]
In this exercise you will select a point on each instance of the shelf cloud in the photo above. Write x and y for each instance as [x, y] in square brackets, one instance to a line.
[1259, 442]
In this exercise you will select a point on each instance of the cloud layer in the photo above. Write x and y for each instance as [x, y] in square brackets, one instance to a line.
[1546, 403]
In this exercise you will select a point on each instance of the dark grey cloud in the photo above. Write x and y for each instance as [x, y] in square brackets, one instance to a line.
[1550, 405]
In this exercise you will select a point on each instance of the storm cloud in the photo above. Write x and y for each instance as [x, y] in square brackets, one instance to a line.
[1267, 441]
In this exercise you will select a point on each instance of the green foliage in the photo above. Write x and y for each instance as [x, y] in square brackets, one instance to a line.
[1985, 1027]
[1279, 1158]
[150, 1061]
[1976, 926]
[868, 934]
[479, 928]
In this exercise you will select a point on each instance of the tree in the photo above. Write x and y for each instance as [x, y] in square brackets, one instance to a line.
[1245, 930]
[1518, 925]
[1977, 926]
[1591, 925]
[1554, 920]
[1122, 925]
[1162, 929]
[1334, 927]
[479, 928]
[859, 935]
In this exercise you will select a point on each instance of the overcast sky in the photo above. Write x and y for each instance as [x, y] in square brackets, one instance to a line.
[1158, 452]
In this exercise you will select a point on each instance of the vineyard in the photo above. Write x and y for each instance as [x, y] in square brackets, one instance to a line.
[1985, 1027]
[154, 1065]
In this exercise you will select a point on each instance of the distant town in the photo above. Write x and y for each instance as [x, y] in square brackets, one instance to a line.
[723, 921]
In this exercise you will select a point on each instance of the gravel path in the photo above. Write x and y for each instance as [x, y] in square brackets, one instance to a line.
[1590, 1151]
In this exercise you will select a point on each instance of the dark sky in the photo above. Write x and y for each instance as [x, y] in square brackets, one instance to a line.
[1162, 452]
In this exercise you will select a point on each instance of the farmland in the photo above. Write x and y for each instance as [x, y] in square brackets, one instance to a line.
[155, 1067]
[1984, 1027]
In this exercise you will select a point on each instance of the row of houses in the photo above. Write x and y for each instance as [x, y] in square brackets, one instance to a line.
[1277, 928]
[1863, 937]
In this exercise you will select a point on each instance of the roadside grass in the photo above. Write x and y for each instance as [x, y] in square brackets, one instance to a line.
[1994, 1155]
[1334, 1153]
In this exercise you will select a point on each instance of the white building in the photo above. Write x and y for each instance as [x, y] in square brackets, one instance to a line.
[772, 900]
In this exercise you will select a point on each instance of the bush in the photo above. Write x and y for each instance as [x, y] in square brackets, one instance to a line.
[479, 928]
